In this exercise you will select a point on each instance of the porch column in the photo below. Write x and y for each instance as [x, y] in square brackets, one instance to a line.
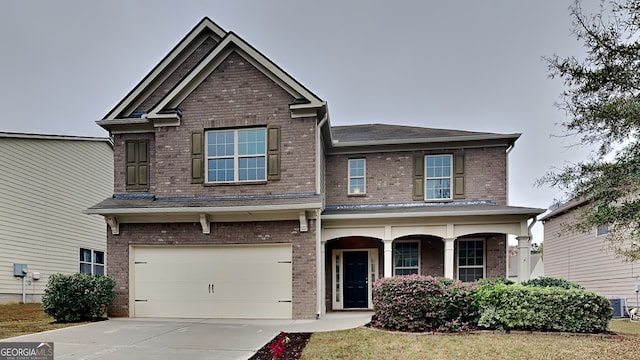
[524, 257]
[448, 257]
[388, 258]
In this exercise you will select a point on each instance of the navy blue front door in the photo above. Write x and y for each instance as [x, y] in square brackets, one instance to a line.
[355, 279]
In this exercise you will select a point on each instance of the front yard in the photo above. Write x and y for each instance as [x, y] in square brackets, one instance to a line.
[22, 319]
[364, 343]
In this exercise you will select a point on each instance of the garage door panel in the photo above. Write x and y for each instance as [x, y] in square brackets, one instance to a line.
[215, 281]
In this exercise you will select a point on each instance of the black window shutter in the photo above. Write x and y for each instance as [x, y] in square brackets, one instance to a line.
[418, 178]
[458, 176]
[273, 153]
[137, 165]
[197, 157]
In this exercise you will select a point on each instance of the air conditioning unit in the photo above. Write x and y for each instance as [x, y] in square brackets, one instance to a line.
[618, 305]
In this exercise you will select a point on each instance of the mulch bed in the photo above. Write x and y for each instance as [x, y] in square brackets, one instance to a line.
[292, 351]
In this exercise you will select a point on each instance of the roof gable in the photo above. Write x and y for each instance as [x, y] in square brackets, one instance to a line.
[201, 32]
[164, 112]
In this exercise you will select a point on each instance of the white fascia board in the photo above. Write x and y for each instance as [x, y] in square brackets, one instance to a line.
[52, 137]
[207, 210]
[428, 214]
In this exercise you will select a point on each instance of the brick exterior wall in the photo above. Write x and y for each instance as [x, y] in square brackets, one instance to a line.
[236, 94]
[390, 176]
[496, 256]
[303, 256]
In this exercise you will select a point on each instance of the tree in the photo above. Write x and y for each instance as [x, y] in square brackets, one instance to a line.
[602, 101]
[537, 248]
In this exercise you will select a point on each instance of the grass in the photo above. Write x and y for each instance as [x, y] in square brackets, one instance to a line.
[22, 319]
[364, 343]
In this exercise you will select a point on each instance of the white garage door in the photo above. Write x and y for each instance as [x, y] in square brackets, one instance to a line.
[251, 282]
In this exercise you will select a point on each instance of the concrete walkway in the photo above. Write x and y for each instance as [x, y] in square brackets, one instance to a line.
[123, 338]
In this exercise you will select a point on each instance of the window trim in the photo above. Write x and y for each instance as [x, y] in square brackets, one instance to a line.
[92, 263]
[605, 229]
[235, 157]
[393, 260]
[363, 177]
[484, 257]
[450, 177]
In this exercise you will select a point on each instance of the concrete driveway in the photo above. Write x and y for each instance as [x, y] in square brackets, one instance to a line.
[123, 338]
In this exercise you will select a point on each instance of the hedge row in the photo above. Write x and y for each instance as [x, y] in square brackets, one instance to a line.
[520, 307]
[423, 303]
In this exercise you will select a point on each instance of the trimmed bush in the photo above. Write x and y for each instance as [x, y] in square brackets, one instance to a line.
[78, 297]
[552, 282]
[517, 307]
[489, 281]
[423, 303]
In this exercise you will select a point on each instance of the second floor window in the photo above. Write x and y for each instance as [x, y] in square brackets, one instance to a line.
[236, 155]
[438, 177]
[357, 173]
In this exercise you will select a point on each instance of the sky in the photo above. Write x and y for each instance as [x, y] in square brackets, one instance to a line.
[466, 65]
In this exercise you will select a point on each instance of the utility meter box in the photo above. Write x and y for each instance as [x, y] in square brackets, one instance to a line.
[20, 270]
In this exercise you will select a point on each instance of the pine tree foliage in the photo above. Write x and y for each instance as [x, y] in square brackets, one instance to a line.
[602, 103]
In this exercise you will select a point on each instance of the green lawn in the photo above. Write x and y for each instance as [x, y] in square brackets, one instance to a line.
[22, 319]
[363, 343]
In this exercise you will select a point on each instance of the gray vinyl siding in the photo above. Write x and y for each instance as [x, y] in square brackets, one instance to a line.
[583, 258]
[45, 186]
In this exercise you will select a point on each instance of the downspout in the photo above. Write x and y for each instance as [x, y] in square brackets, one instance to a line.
[319, 250]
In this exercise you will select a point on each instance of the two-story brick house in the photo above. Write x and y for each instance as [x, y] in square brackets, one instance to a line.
[235, 197]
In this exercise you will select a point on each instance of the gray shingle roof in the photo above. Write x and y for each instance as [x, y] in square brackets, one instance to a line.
[134, 204]
[384, 132]
[463, 208]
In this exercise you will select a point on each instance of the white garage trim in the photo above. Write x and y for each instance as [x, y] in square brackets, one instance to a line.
[222, 281]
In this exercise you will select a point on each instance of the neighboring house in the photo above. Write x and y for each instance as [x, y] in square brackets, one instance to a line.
[235, 197]
[46, 183]
[584, 258]
[536, 266]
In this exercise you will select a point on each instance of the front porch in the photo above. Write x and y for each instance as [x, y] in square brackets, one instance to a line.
[359, 247]
[352, 264]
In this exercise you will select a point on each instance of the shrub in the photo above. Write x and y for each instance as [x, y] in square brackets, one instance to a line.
[423, 303]
[77, 297]
[489, 281]
[518, 307]
[552, 282]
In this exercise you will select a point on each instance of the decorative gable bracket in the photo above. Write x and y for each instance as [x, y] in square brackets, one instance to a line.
[165, 118]
[205, 222]
[113, 223]
[303, 221]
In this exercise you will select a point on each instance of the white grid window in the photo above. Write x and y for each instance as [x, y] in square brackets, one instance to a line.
[470, 260]
[438, 177]
[91, 262]
[236, 155]
[406, 257]
[357, 176]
